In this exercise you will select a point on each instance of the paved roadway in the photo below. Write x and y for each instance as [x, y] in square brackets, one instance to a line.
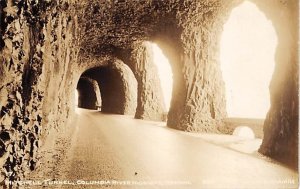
[115, 147]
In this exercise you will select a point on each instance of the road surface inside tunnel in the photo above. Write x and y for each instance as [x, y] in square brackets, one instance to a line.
[106, 147]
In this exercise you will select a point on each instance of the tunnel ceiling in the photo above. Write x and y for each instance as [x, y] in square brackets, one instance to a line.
[106, 25]
[109, 24]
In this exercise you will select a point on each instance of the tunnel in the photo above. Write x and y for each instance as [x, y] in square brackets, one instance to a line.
[118, 88]
[103, 50]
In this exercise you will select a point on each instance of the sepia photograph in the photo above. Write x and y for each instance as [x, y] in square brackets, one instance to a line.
[149, 94]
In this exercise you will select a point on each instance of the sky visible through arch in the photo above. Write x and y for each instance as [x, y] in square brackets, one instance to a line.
[247, 57]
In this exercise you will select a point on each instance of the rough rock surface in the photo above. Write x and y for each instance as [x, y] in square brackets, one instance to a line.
[44, 50]
[88, 94]
[200, 105]
[150, 104]
[36, 48]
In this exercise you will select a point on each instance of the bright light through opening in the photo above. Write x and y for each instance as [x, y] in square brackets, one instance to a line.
[165, 74]
[247, 60]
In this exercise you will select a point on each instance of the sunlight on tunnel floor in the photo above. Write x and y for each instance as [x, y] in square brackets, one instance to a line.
[247, 56]
[164, 72]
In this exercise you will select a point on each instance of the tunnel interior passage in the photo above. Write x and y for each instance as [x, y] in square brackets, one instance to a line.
[46, 47]
[248, 47]
[118, 88]
[88, 94]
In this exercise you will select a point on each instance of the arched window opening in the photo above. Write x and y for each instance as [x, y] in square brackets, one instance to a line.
[247, 57]
[165, 74]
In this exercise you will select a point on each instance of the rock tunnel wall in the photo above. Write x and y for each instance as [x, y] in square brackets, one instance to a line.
[118, 87]
[88, 94]
[35, 48]
[150, 103]
[282, 122]
[198, 102]
[40, 39]
[198, 84]
[190, 32]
